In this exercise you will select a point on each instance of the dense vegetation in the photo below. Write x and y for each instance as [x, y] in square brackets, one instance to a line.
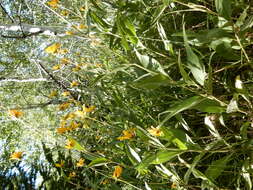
[127, 94]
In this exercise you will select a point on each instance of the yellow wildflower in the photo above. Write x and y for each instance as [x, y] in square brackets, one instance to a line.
[117, 172]
[53, 3]
[62, 51]
[81, 26]
[76, 68]
[127, 134]
[69, 33]
[16, 156]
[65, 61]
[56, 67]
[79, 113]
[105, 181]
[155, 132]
[54, 48]
[53, 94]
[74, 125]
[61, 130]
[16, 113]
[69, 116]
[72, 174]
[74, 83]
[80, 163]
[64, 106]
[173, 185]
[70, 144]
[88, 109]
[64, 13]
[82, 9]
[59, 165]
[66, 93]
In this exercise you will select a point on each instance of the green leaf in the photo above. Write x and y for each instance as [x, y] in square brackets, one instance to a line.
[210, 106]
[150, 63]
[101, 22]
[193, 62]
[217, 167]
[248, 24]
[223, 8]
[159, 158]
[98, 162]
[181, 106]
[132, 155]
[185, 76]
[151, 82]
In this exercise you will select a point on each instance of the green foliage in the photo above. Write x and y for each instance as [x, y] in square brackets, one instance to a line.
[138, 95]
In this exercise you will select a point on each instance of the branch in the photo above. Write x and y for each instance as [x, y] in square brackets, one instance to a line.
[74, 96]
[24, 80]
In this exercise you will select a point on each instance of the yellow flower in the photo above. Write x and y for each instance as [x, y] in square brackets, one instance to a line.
[16, 156]
[53, 94]
[59, 165]
[117, 172]
[81, 26]
[69, 33]
[76, 68]
[54, 48]
[74, 125]
[53, 3]
[64, 13]
[88, 109]
[74, 83]
[64, 106]
[66, 93]
[127, 134]
[70, 144]
[56, 67]
[65, 61]
[16, 113]
[72, 174]
[155, 132]
[69, 116]
[105, 181]
[173, 185]
[62, 51]
[61, 130]
[82, 9]
[80, 163]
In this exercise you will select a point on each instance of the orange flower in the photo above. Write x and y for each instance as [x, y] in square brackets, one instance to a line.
[16, 156]
[64, 106]
[61, 130]
[53, 3]
[173, 185]
[117, 172]
[54, 48]
[80, 163]
[59, 165]
[70, 144]
[155, 132]
[127, 134]
[16, 113]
